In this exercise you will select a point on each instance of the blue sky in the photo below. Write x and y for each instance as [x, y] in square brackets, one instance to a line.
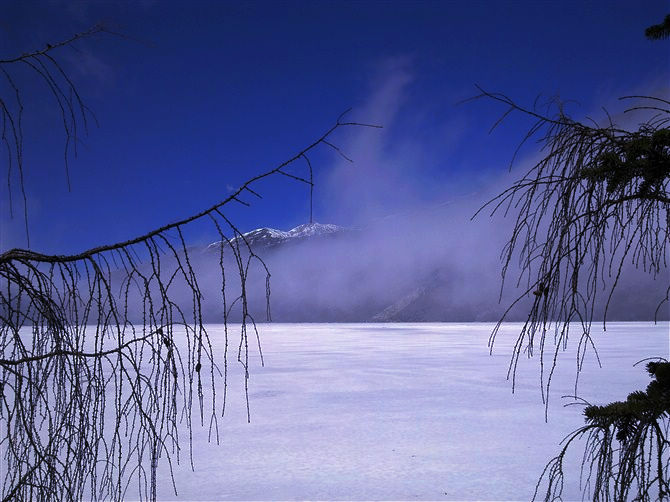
[201, 96]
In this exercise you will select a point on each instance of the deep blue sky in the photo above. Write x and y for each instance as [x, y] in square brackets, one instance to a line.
[208, 94]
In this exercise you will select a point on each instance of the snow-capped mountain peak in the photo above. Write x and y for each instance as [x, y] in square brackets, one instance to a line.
[268, 237]
[312, 229]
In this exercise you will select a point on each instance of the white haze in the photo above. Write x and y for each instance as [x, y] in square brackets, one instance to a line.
[406, 238]
[412, 233]
[452, 263]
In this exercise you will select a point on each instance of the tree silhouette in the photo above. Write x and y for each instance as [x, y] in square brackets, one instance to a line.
[91, 399]
[597, 199]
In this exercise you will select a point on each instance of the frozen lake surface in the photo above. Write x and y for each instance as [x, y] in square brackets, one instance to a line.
[401, 412]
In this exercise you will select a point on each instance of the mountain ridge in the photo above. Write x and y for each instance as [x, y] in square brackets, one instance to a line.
[270, 237]
[330, 273]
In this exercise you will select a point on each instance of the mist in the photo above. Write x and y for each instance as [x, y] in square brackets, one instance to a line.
[407, 253]
[430, 265]
[409, 249]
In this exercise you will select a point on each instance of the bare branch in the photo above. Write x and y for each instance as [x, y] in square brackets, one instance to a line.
[598, 198]
[104, 354]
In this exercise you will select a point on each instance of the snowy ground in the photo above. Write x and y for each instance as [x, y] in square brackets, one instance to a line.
[401, 412]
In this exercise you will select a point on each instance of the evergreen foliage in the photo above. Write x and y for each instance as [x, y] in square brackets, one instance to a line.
[627, 455]
[659, 31]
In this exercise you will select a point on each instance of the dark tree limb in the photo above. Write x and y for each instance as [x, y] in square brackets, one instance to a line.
[104, 354]
[598, 198]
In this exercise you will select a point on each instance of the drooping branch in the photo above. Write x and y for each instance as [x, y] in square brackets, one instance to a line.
[598, 198]
[100, 354]
[104, 353]
[42, 64]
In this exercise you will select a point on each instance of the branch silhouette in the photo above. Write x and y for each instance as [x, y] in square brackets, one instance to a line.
[105, 360]
[597, 199]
